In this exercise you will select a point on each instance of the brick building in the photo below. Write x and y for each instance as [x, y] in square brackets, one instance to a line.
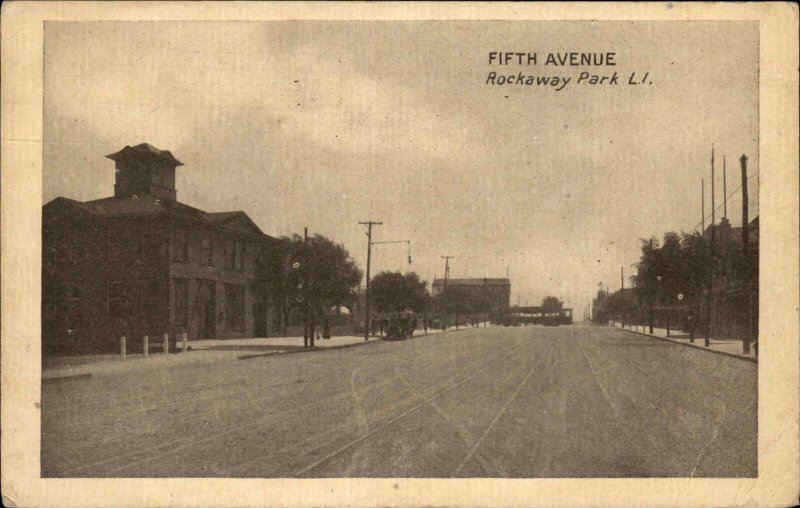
[496, 291]
[141, 262]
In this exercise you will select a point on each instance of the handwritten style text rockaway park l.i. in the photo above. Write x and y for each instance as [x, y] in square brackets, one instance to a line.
[559, 82]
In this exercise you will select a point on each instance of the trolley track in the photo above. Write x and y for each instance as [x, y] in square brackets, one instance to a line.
[425, 402]
[231, 401]
[142, 455]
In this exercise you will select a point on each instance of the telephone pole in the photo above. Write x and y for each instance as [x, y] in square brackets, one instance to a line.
[447, 268]
[651, 317]
[307, 333]
[702, 207]
[369, 225]
[745, 249]
[712, 311]
[713, 204]
[444, 290]
[621, 277]
[724, 188]
[485, 306]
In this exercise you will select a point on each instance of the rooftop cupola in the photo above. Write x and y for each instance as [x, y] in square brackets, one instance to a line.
[145, 170]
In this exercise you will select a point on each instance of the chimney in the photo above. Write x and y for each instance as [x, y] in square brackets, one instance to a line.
[144, 170]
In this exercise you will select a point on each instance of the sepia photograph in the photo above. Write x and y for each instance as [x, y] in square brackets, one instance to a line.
[208, 188]
[327, 248]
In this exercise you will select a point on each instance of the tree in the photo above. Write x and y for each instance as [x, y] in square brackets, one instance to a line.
[671, 270]
[320, 274]
[697, 265]
[395, 292]
[682, 265]
[551, 304]
[647, 270]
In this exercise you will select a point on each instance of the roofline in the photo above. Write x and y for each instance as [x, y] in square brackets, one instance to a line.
[164, 154]
[167, 211]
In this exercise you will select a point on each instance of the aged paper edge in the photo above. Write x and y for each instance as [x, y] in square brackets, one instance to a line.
[779, 391]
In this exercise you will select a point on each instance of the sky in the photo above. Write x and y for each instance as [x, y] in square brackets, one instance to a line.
[324, 124]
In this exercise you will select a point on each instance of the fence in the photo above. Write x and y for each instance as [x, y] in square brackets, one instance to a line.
[155, 343]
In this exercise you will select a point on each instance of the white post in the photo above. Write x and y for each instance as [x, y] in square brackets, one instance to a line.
[166, 343]
[146, 345]
[122, 347]
[183, 338]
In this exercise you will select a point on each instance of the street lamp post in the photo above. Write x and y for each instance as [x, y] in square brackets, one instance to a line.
[369, 225]
[660, 289]
[444, 291]
[398, 241]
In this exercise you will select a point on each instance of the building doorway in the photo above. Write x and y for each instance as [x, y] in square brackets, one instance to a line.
[260, 318]
[206, 309]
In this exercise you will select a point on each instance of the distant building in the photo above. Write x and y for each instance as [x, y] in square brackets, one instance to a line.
[623, 302]
[141, 262]
[731, 297]
[496, 291]
[726, 235]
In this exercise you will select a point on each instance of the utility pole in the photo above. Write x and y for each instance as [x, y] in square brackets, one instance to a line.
[446, 277]
[713, 205]
[725, 248]
[485, 306]
[724, 188]
[702, 207]
[369, 225]
[621, 277]
[446, 268]
[746, 252]
[712, 299]
[306, 314]
[650, 306]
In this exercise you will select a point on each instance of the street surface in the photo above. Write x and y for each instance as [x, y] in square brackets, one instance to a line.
[570, 401]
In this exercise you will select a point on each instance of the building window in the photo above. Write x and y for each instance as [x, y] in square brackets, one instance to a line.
[118, 241]
[180, 290]
[76, 247]
[150, 245]
[180, 246]
[150, 291]
[118, 305]
[71, 298]
[239, 256]
[207, 252]
[234, 307]
[234, 255]
[230, 253]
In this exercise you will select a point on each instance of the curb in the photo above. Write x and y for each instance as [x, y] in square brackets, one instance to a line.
[701, 348]
[309, 350]
[69, 377]
[343, 346]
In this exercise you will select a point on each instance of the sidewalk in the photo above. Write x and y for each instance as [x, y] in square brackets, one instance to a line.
[202, 352]
[281, 344]
[730, 347]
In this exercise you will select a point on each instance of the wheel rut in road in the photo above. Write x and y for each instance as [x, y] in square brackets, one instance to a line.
[123, 450]
[520, 403]
[425, 402]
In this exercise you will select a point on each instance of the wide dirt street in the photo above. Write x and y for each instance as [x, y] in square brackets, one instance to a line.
[571, 401]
